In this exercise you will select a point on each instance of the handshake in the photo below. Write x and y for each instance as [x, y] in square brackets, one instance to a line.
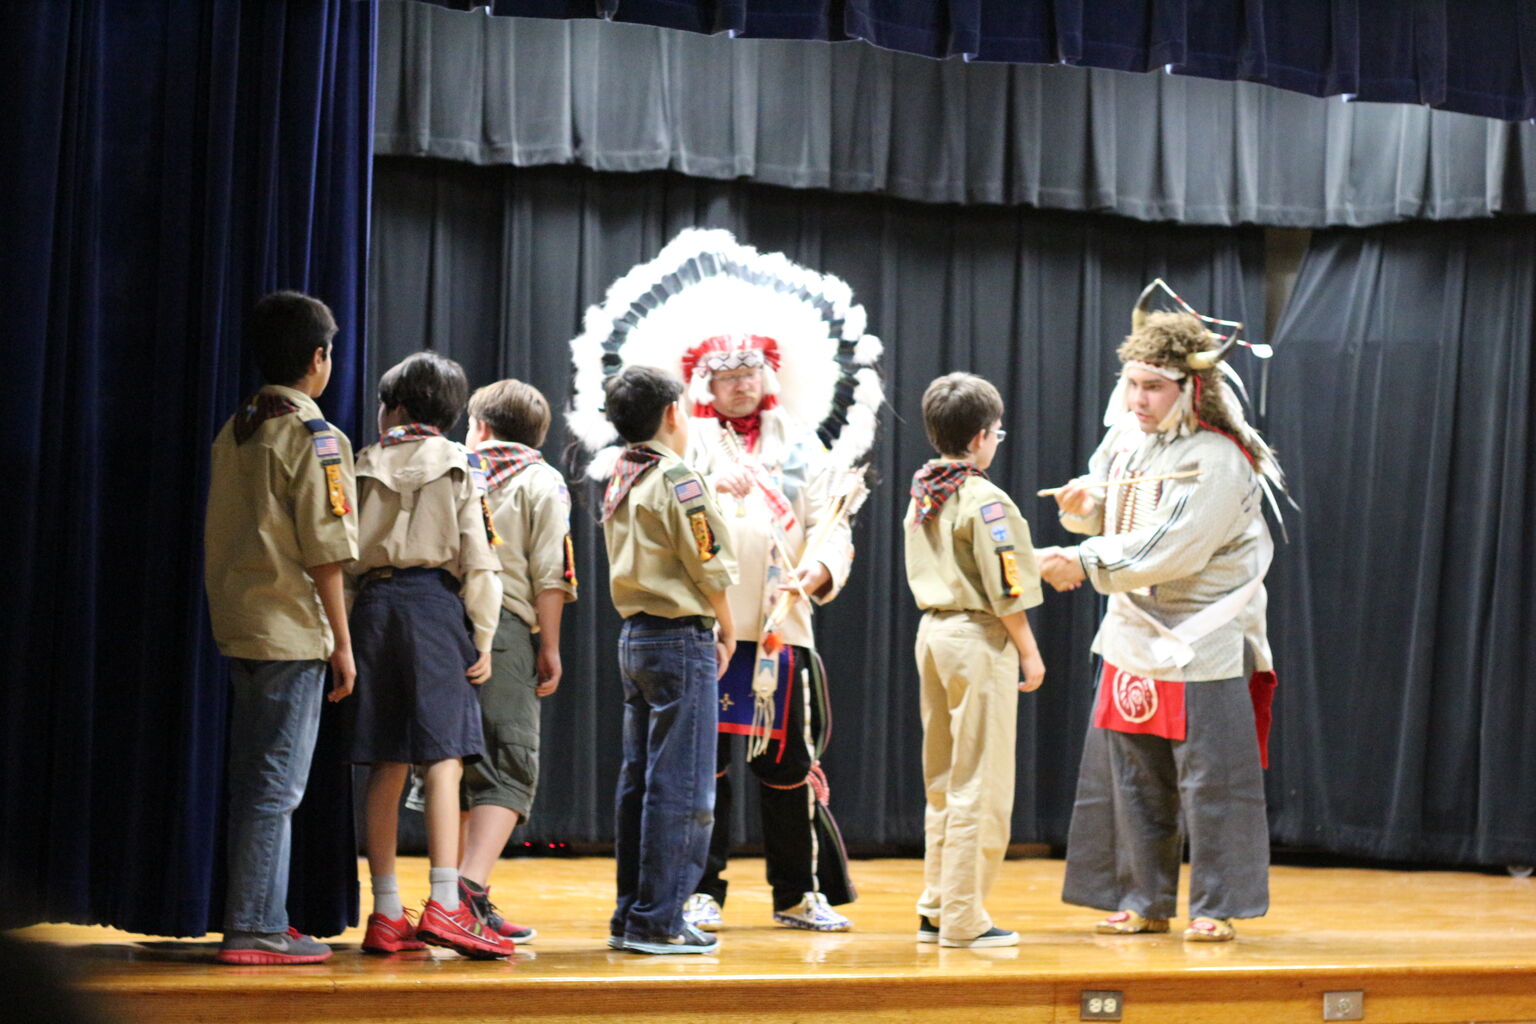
[1059, 567]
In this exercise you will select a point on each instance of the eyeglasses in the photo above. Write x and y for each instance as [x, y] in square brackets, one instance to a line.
[730, 380]
[1000, 434]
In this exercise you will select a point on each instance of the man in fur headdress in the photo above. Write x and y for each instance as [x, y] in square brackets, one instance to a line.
[774, 482]
[1180, 724]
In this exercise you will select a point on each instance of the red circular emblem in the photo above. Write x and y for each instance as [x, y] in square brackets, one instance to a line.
[1135, 697]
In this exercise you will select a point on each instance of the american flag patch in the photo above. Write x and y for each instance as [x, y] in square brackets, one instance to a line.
[326, 446]
[688, 490]
[993, 512]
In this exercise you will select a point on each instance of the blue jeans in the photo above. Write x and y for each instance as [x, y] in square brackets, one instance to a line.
[664, 807]
[274, 718]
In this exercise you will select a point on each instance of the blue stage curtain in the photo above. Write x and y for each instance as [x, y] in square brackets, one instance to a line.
[1443, 53]
[164, 164]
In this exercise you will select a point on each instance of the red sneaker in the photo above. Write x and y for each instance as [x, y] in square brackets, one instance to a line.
[485, 910]
[386, 936]
[460, 931]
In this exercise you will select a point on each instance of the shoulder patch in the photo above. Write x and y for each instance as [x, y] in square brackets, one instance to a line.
[678, 472]
[689, 490]
[326, 446]
[1000, 533]
[477, 472]
[993, 511]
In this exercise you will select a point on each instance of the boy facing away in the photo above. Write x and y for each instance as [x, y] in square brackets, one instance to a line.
[531, 510]
[279, 528]
[971, 568]
[424, 565]
[669, 566]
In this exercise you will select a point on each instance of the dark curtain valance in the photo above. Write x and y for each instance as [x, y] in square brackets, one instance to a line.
[852, 118]
[1449, 54]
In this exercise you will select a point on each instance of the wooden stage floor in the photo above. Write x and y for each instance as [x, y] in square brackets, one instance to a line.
[1425, 946]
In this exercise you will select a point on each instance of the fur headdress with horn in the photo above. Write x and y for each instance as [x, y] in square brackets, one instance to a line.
[1182, 347]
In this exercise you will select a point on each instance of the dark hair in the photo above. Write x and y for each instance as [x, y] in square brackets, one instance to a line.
[636, 400]
[283, 331]
[430, 387]
[956, 407]
[513, 410]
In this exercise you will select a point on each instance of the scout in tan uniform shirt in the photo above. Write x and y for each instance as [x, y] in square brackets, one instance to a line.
[669, 565]
[279, 527]
[971, 568]
[424, 565]
[530, 509]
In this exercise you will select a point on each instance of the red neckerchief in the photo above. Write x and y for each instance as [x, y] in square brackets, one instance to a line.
[504, 460]
[262, 406]
[748, 428]
[935, 484]
[409, 432]
[633, 464]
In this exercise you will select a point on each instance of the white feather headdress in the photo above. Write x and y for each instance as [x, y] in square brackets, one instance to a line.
[705, 286]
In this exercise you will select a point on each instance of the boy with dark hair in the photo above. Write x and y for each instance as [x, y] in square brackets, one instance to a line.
[424, 565]
[531, 511]
[279, 528]
[669, 567]
[971, 568]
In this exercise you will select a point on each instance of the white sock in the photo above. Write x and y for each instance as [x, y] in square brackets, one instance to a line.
[445, 887]
[386, 897]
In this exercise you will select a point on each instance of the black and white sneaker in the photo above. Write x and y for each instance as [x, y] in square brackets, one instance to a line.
[927, 931]
[689, 940]
[988, 938]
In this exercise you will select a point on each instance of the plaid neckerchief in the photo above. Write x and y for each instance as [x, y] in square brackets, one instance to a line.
[633, 464]
[262, 406]
[935, 484]
[408, 432]
[504, 460]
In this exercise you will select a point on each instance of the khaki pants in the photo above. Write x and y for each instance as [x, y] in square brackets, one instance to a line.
[969, 672]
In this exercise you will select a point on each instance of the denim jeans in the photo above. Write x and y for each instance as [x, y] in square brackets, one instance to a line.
[274, 718]
[664, 806]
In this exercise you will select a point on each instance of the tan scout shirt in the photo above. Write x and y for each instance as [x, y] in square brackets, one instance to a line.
[269, 519]
[654, 539]
[532, 513]
[798, 466]
[959, 559]
[420, 508]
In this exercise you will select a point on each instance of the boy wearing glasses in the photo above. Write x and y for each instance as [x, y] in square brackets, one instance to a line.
[971, 568]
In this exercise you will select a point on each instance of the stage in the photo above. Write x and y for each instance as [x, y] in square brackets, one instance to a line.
[1422, 946]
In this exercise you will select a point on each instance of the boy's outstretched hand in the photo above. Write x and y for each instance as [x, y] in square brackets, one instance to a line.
[343, 674]
[480, 671]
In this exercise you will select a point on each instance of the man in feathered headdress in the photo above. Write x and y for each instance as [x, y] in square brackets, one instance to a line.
[775, 485]
[1180, 723]
[784, 391]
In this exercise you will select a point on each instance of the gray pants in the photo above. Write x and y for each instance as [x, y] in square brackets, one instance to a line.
[1124, 847]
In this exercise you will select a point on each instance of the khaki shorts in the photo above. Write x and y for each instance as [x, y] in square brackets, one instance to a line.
[508, 775]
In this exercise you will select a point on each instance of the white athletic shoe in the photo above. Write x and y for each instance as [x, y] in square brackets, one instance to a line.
[813, 913]
[702, 912]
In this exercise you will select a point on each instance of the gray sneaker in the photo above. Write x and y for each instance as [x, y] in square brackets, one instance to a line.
[689, 940]
[290, 947]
